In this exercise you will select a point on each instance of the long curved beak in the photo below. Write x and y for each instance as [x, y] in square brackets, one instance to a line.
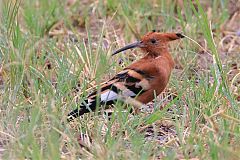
[130, 46]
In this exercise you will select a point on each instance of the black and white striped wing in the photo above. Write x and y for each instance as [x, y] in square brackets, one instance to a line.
[125, 83]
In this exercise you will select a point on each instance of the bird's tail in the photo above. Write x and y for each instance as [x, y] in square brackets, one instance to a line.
[84, 107]
[107, 95]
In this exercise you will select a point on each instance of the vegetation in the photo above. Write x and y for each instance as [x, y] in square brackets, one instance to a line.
[53, 51]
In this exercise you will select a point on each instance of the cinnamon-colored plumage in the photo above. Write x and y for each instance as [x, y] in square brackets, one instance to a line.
[142, 79]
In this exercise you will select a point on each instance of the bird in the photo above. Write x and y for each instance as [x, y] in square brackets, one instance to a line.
[141, 80]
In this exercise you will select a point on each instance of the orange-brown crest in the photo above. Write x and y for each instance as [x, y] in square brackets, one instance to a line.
[153, 42]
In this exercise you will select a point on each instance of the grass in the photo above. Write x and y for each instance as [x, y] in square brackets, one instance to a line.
[50, 49]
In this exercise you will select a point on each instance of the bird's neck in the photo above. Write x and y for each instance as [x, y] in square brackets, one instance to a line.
[164, 54]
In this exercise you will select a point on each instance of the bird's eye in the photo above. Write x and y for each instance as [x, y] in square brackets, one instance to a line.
[153, 41]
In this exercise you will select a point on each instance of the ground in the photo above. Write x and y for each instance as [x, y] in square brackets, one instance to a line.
[53, 53]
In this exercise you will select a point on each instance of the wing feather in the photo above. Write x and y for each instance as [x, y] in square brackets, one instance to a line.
[128, 82]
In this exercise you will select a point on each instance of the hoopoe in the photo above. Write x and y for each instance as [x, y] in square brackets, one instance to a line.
[142, 79]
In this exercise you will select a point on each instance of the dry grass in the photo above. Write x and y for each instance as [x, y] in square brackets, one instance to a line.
[54, 52]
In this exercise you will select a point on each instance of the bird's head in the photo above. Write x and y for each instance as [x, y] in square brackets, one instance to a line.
[152, 42]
